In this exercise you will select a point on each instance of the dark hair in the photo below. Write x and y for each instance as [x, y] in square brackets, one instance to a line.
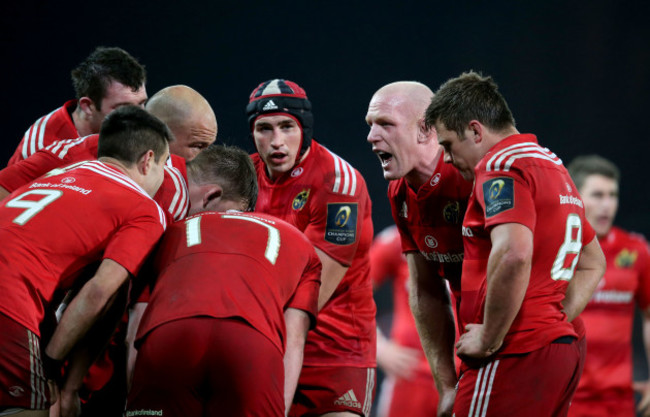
[103, 66]
[583, 166]
[468, 97]
[129, 131]
[231, 168]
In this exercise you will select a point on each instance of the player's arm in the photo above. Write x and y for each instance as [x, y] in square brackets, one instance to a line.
[434, 319]
[508, 274]
[3, 193]
[297, 323]
[587, 275]
[27, 170]
[93, 300]
[135, 316]
[331, 276]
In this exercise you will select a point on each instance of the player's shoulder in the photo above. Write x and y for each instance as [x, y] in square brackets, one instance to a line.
[338, 176]
[84, 147]
[630, 238]
[516, 153]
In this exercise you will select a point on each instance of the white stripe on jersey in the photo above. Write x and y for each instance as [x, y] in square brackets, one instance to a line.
[34, 135]
[518, 151]
[483, 389]
[180, 203]
[60, 148]
[343, 169]
[100, 168]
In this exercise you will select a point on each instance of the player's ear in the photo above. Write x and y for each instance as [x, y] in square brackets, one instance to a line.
[475, 131]
[212, 196]
[146, 162]
[425, 133]
[86, 105]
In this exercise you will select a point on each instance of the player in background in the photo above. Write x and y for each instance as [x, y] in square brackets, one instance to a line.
[605, 388]
[531, 259]
[52, 231]
[408, 387]
[317, 191]
[189, 117]
[428, 200]
[234, 310]
[107, 79]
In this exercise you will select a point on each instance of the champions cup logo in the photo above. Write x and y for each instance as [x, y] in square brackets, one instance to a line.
[495, 189]
[451, 212]
[300, 200]
[343, 216]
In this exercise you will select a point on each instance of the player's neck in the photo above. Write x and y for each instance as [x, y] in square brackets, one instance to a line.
[81, 123]
[422, 173]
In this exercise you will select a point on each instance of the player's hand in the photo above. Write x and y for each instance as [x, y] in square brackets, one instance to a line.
[55, 404]
[446, 402]
[471, 343]
[396, 360]
[643, 388]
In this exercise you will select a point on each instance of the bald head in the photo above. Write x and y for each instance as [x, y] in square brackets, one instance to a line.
[408, 97]
[188, 115]
[404, 146]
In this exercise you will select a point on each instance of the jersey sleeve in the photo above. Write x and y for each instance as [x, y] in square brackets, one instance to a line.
[336, 223]
[642, 265]
[305, 297]
[408, 244]
[136, 238]
[505, 197]
[26, 170]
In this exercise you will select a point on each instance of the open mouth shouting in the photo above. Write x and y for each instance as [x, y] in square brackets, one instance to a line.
[384, 157]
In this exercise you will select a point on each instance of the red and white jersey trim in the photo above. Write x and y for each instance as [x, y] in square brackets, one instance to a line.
[180, 203]
[346, 179]
[33, 139]
[101, 169]
[503, 160]
[60, 148]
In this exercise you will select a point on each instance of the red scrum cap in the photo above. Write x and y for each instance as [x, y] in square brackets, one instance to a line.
[282, 96]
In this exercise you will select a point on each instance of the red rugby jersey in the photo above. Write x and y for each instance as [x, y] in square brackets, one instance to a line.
[327, 199]
[609, 315]
[233, 264]
[172, 195]
[518, 181]
[55, 227]
[55, 125]
[430, 219]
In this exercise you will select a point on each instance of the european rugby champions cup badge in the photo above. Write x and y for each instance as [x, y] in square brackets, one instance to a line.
[341, 226]
[300, 200]
[499, 195]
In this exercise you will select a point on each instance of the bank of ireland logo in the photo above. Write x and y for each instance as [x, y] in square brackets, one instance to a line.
[300, 200]
[451, 212]
[68, 180]
[431, 241]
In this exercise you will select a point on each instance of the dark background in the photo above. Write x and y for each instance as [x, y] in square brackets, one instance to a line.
[575, 73]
